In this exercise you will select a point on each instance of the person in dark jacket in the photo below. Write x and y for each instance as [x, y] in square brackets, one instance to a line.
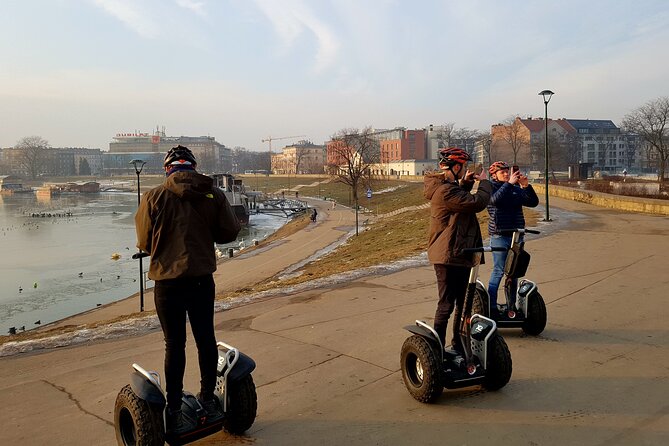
[510, 192]
[178, 224]
[454, 203]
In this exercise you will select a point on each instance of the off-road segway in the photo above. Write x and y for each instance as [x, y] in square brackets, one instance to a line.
[428, 368]
[524, 307]
[140, 409]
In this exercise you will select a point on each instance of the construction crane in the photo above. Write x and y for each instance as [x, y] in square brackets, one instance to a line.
[269, 139]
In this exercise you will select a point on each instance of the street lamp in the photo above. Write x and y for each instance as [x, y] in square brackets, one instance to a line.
[139, 165]
[547, 94]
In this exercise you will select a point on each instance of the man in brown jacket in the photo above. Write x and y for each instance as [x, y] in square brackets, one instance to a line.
[453, 226]
[178, 224]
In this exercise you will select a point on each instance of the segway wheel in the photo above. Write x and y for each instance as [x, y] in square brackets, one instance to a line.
[498, 372]
[480, 304]
[242, 406]
[421, 370]
[137, 422]
[536, 315]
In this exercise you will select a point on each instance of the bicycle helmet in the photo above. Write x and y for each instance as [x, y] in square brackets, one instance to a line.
[453, 155]
[179, 156]
[497, 166]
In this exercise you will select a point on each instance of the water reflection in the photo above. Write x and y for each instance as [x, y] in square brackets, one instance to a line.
[57, 255]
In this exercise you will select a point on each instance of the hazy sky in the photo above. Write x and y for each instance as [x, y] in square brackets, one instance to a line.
[76, 72]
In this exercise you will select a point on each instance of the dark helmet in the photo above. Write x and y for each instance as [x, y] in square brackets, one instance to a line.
[497, 166]
[179, 155]
[453, 155]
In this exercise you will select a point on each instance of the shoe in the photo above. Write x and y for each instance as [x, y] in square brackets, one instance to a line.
[176, 423]
[213, 408]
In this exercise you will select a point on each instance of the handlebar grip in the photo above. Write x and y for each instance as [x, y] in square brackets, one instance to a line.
[519, 230]
[484, 249]
[140, 255]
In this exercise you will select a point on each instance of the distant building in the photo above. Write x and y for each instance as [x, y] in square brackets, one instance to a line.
[301, 158]
[211, 155]
[597, 142]
[607, 146]
[400, 144]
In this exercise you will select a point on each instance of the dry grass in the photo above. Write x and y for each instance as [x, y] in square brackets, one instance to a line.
[383, 241]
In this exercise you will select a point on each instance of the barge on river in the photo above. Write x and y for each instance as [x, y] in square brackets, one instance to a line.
[235, 193]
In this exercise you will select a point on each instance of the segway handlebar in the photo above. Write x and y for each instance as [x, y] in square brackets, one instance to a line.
[140, 255]
[483, 249]
[519, 231]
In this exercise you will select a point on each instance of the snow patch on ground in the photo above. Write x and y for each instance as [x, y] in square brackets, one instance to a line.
[142, 325]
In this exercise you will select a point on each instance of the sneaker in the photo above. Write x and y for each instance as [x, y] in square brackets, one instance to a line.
[176, 423]
[213, 408]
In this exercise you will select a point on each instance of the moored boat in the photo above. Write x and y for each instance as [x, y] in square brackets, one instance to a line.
[234, 191]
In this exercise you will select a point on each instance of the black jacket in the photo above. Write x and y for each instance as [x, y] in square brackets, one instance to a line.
[506, 206]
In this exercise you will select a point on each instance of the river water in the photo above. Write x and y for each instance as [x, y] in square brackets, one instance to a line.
[56, 254]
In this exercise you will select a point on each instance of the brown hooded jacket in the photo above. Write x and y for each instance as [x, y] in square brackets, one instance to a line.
[178, 223]
[453, 222]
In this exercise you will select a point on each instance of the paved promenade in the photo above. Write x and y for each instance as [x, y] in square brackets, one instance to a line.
[328, 359]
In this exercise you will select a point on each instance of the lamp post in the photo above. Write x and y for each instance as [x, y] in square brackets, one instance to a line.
[139, 165]
[547, 94]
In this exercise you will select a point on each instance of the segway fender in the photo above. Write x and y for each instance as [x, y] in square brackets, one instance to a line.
[243, 367]
[421, 331]
[146, 390]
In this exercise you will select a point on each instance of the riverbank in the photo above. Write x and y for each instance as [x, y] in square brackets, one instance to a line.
[238, 274]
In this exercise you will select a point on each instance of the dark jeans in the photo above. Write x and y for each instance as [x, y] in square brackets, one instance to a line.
[174, 299]
[452, 285]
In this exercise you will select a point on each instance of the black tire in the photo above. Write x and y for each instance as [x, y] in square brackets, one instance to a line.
[137, 422]
[536, 317]
[498, 372]
[421, 370]
[480, 304]
[242, 406]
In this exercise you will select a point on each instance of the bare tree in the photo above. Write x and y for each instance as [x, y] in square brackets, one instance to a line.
[351, 155]
[34, 154]
[243, 160]
[515, 136]
[573, 148]
[485, 140]
[650, 122]
[602, 152]
[301, 154]
[445, 135]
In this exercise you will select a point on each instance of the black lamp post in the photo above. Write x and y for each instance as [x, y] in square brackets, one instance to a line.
[547, 94]
[139, 165]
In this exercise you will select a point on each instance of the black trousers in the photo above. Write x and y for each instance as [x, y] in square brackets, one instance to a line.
[174, 299]
[452, 286]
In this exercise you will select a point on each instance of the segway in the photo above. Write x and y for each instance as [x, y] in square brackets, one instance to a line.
[140, 410]
[428, 368]
[524, 307]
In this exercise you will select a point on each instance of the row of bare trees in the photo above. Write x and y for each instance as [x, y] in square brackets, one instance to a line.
[32, 157]
[650, 122]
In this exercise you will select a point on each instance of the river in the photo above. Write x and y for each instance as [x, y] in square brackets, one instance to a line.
[56, 257]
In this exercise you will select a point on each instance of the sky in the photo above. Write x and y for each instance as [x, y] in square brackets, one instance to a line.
[77, 72]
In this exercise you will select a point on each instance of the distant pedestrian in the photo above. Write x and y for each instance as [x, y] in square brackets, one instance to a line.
[334, 203]
[314, 214]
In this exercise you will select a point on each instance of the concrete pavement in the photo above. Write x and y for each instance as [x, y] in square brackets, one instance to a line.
[328, 359]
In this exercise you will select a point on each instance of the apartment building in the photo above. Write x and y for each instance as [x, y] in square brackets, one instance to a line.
[302, 158]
